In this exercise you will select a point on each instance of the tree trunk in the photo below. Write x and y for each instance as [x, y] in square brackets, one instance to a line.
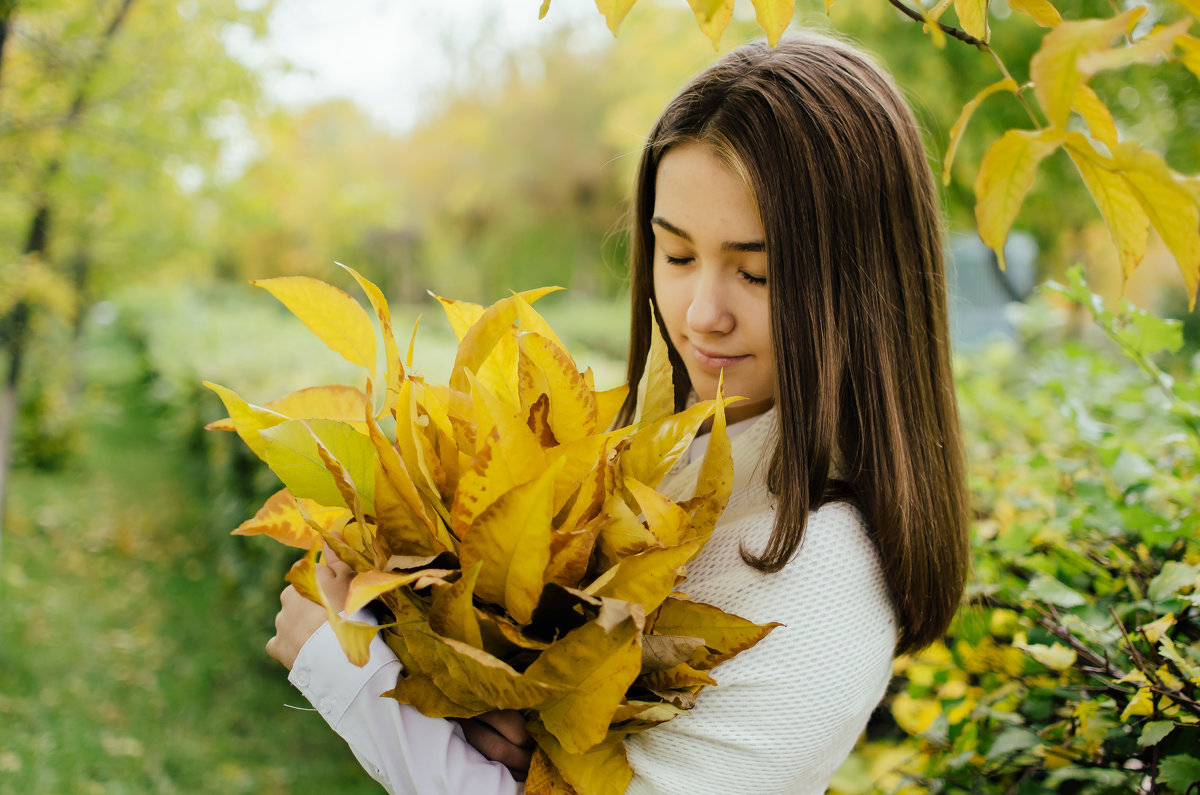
[8, 10]
[36, 242]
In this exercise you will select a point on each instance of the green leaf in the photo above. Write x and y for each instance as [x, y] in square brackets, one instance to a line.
[1011, 741]
[1154, 732]
[1173, 578]
[293, 455]
[1179, 772]
[1047, 589]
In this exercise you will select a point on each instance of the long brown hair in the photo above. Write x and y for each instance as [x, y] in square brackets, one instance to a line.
[835, 162]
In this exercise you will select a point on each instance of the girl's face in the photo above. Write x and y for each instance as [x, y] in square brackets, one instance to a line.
[710, 278]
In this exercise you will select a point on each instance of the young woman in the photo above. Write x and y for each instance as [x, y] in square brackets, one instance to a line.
[787, 231]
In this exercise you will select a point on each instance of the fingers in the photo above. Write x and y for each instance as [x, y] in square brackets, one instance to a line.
[510, 724]
[334, 562]
[496, 747]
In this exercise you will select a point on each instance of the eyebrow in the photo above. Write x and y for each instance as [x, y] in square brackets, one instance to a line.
[752, 246]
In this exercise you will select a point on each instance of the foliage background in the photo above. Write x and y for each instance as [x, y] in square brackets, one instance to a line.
[164, 176]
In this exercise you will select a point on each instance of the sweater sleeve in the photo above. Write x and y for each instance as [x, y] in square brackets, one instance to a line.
[405, 751]
[787, 712]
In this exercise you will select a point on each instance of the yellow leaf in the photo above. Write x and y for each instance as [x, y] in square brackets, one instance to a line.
[370, 585]
[601, 770]
[1055, 656]
[544, 778]
[669, 523]
[570, 554]
[461, 314]
[354, 636]
[572, 405]
[470, 676]
[716, 471]
[614, 12]
[1155, 629]
[451, 612]
[1097, 116]
[656, 389]
[960, 124]
[656, 446]
[1141, 704]
[915, 715]
[395, 369]
[1043, 12]
[713, 17]
[608, 403]
[294, 455]
[647, 577]
[1054, 68]
[419, 691]
[336, 402]
[1151, 48]
[595, 667]
[1127, 223]
[544, 9]
[1005, 175]
[336, 318]
[245, 418]
[621, 533]
[1171, 207]
[489, 348]
[723, 633]
[509, 455]
[512, 538]
[412, 451]
[973, 16]
[773, 17]
[281, 520]
[531, 320]
[677, 677]
[400, 516]
[590, 496]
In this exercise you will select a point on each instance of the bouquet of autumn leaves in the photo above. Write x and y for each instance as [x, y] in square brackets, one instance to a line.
[518, 542]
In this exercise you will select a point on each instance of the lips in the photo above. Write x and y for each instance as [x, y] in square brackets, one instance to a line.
[713, 360]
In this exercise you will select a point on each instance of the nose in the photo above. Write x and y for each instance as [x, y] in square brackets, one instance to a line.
[709, 311]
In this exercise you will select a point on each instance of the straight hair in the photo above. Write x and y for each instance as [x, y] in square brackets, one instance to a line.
[834, 160]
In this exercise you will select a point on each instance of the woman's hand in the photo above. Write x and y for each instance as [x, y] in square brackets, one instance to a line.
[501, 737]
[299, 618]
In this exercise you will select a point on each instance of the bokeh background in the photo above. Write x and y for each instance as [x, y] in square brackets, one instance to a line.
[155, 155]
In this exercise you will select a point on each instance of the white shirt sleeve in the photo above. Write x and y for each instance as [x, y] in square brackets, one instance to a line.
[405, 751]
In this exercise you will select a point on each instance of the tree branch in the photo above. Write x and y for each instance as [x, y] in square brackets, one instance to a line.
[962, 36]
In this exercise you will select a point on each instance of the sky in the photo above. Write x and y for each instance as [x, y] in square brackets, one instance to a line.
[390, 55]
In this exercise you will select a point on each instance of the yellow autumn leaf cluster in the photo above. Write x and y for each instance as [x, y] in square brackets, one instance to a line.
[1133, 188]
[518, 541]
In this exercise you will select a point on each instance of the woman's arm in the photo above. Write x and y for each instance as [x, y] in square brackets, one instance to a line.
[399, 747]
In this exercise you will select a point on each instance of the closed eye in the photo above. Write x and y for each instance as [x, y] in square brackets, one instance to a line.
[678, 260]
[752, 279]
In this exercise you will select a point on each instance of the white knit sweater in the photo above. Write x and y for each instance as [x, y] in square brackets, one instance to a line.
[784, 716]
[787, 712]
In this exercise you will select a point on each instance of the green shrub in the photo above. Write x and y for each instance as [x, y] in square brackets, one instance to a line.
[1075, 666]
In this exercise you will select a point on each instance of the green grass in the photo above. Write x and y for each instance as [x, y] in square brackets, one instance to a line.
[132, 630]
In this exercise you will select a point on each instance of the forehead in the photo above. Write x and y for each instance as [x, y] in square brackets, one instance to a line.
[696, 187]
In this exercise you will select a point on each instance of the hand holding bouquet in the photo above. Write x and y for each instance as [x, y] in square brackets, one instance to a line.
[517, 541]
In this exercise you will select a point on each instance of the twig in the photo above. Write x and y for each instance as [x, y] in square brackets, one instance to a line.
[949, 30]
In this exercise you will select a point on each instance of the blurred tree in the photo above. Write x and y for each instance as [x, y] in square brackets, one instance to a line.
[113, 115]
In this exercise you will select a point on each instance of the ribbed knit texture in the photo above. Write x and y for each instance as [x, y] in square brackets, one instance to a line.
[787, 712]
